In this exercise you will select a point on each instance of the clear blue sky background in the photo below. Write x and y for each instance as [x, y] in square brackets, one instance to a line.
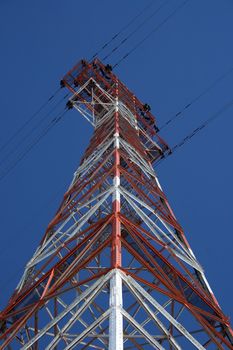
[41, 40]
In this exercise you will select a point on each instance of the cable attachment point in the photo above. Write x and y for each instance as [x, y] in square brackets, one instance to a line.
[62, 83]
[70, 104]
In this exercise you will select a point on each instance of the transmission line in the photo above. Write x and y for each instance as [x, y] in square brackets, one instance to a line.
[102, 48]
[203, 125]
[22, 140]
[18, 131]
[227, 106]
[31, 118]
[195, 99]
[151, 33]
[135, 30]
[32, 145]
[121, 30]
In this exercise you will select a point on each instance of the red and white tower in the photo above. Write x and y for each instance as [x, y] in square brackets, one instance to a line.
[114, 269]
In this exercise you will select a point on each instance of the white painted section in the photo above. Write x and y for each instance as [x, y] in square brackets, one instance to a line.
[146, 335]
[131, 283]
[117, 105]
[117, 142]
[127, 115]
[116, 317]
[208, 287]
[87, 295]
[80, 337]
[116, 195]
[116, 181]
[71, 231]
[158, 183]
[158, 232]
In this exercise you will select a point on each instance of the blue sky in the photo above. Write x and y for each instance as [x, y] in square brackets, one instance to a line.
[40, 41]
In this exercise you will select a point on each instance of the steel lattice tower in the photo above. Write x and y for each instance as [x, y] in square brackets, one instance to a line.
[114, 269]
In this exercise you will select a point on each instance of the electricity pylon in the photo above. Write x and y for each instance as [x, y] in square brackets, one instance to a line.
[114, 269]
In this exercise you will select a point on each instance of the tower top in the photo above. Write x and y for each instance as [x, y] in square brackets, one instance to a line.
[93, 86]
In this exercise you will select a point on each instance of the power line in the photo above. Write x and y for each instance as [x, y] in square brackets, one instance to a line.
[135, 30]
[18, 131]
[227, 106]
[32, 145]
[195, 99]
[22, 140]
[151, 32]
[24, 125]
[187, 138]
[122, 30]
[103, 47]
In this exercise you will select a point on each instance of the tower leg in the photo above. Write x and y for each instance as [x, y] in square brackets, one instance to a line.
[116, 318]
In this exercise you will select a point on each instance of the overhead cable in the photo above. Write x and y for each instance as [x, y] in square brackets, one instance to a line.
[227, 106]
[203, 125]
[31, 118]
[18, 131]
[43, 133]
[135, 30]
[122, 30]
[195, 99]
[28, 134]
[151, 33]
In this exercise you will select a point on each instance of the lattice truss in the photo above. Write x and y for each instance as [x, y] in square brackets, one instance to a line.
[114, 269]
